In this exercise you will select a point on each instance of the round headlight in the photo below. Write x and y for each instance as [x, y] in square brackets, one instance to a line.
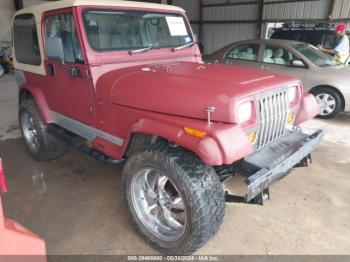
[245, 112]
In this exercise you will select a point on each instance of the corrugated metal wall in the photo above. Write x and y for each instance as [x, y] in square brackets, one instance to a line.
[296, 10]
[232, 21]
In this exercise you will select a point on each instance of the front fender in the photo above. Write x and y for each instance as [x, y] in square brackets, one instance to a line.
[40, 101]
[308, 109]
[224, 143]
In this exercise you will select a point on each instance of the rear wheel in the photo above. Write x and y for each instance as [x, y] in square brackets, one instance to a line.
[329, 101]
[176, 203]
[40, 143]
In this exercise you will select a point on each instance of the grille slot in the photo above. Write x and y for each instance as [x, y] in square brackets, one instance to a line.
[273, 112]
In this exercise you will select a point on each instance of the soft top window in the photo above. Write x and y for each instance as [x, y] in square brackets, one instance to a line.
[26, 42]
[109, 30]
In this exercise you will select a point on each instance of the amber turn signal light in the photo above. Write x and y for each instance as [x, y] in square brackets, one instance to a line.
[290, 118]
[195, 132]
[252, 137]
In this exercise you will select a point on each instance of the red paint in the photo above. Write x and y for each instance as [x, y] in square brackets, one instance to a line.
[309, 109]
[36, 85]
[158, 93]
[3, 186]
[16, 239]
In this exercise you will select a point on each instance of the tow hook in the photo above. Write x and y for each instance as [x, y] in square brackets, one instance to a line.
[305, 162]
[258, 200]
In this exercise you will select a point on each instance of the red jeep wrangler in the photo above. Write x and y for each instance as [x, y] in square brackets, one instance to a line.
[124, 81]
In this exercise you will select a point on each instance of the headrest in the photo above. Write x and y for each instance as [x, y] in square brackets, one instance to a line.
[250, 51]
[278, 53]
[268, 53]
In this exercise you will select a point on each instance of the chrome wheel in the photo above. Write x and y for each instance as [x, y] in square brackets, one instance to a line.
[158, 204]
[29, 131]
[327, 103]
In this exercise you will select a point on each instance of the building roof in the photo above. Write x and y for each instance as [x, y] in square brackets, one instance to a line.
[38, 10]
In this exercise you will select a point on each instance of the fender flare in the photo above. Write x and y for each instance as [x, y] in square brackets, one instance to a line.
[308, 109]
[224, 146]
[40, 101]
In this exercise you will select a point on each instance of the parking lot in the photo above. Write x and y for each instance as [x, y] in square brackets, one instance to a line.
[76, 205]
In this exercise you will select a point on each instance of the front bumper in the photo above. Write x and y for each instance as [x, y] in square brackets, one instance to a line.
[268, 165]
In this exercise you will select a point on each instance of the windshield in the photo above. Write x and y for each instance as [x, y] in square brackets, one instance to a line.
[109, 30]
[314, 55]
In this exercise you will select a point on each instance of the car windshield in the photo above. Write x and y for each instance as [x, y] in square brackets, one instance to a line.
[314, 55]
[109, 30]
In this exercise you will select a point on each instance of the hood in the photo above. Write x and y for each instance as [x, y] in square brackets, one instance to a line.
[187, 89]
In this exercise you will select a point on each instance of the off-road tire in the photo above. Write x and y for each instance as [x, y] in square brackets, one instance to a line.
[200, 186]
[335, 95]
[50, 147]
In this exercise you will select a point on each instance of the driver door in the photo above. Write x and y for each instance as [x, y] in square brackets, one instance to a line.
[69, 88]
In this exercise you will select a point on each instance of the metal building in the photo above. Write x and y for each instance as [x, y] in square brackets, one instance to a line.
[220, 22]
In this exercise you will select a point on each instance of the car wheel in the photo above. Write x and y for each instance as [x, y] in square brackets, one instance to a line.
[2, 71]
[329, 101]
[176, 203]
[40, 143]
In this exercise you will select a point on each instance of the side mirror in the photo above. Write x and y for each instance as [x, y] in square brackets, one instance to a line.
[298, 63]
[54, 48]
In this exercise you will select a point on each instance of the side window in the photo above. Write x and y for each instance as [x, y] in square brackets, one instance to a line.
[244, 52]
[25, 38]
[62, 26]
[278, 55]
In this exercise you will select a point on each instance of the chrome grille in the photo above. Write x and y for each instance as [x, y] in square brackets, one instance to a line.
[273, 112]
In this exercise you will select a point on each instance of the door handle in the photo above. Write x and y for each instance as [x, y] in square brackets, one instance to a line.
[50, 69]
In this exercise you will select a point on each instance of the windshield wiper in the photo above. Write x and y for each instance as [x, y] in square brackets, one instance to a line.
[142, 50]
[183, 46]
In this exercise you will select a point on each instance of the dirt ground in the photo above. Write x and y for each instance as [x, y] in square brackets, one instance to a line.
[75, 203]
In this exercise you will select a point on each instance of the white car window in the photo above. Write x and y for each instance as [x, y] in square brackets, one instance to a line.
[278, 56]
[244, 52]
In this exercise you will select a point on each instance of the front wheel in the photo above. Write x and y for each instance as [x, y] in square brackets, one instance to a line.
[176, 203]
[329, 101]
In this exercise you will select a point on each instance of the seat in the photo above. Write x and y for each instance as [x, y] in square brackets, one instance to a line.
[268, 56]
[278, 56]
[235, 53]
[251, 55]
[93, 33]
[68, 48]
[242, 55]
[117, 41]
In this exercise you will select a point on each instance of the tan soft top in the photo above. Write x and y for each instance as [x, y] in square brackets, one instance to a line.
[38, 10]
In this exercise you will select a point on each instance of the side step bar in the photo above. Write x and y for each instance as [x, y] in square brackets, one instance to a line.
[81, 145]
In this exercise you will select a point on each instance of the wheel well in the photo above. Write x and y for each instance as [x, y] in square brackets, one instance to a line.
[334, 89]
[24, 94]
[140, 141]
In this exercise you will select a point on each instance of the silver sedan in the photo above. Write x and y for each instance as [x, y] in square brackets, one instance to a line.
[320, 75]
